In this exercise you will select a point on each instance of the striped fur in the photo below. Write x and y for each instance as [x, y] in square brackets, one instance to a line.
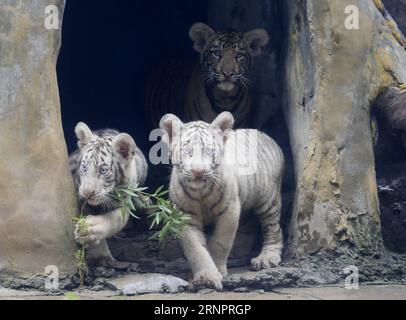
[237, 171]
[201, 91]
[105, 159]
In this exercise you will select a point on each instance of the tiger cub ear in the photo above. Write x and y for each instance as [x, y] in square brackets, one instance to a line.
[83, 133]
[200, 33]
[125, 147]
[224, 122]
[256, 40]
[170, 126]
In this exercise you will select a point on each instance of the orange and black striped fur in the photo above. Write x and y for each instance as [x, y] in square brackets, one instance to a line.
[200, 91]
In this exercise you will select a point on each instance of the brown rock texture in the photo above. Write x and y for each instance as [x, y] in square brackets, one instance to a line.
[37, 196]
[332, 76]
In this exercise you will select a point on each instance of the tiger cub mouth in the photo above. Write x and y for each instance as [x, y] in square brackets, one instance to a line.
[226, 85]
[94, 201]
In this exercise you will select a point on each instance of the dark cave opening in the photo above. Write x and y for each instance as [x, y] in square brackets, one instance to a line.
[390, 158]
[108, 50]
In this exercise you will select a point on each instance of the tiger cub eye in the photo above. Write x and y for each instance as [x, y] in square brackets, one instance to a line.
[239, 55]
[215, 53]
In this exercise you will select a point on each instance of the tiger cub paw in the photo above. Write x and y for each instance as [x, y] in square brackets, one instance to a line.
[212, 279]
[223, 270]
[92, 234]
[102, 261]
[266, 261]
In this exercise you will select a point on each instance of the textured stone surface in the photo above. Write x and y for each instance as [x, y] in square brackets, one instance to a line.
[371, 291]
[37, 197]
[323, 268]
[332, 75]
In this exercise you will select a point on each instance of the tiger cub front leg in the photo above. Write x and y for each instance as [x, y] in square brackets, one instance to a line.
[269, 216]
[221, 242]
[95, 231]
[101, 227]
[99, 255]
[193, 242]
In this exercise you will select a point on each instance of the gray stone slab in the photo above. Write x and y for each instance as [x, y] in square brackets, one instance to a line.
[141, 283]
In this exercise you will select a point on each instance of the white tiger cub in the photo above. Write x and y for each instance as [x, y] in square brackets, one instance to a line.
[105, 160]
[211, 182]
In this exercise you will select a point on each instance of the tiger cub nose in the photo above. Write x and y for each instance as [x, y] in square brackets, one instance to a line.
[88, 193]
[228, 74]
[198, 173]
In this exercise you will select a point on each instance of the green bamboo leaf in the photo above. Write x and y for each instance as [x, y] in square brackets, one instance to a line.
[159, 189]
[162, 212]
[131, 205]
[130, 193]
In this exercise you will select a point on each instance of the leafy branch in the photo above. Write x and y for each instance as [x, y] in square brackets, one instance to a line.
[163, 213]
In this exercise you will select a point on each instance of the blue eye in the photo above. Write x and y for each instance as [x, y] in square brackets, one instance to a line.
[83, 167]
[186, 151]
[103, 171]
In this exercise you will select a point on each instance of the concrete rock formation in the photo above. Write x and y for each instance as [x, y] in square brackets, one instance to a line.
[332, 76]
[37, 197]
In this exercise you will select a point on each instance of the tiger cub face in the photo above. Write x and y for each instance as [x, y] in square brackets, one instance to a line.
[104, 163]
[196, 148]
[226, 57]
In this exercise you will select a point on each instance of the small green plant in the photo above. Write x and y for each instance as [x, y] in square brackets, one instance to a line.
[71, 296]
[80, 254]
[161, 210]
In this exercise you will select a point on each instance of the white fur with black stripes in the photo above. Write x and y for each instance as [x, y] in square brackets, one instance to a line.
[217, 174]
[105, 159]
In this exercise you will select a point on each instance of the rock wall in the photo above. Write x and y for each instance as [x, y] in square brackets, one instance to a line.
[37, 196]
[332, 76]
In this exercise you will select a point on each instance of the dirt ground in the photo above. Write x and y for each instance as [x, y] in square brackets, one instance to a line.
[371, 291]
